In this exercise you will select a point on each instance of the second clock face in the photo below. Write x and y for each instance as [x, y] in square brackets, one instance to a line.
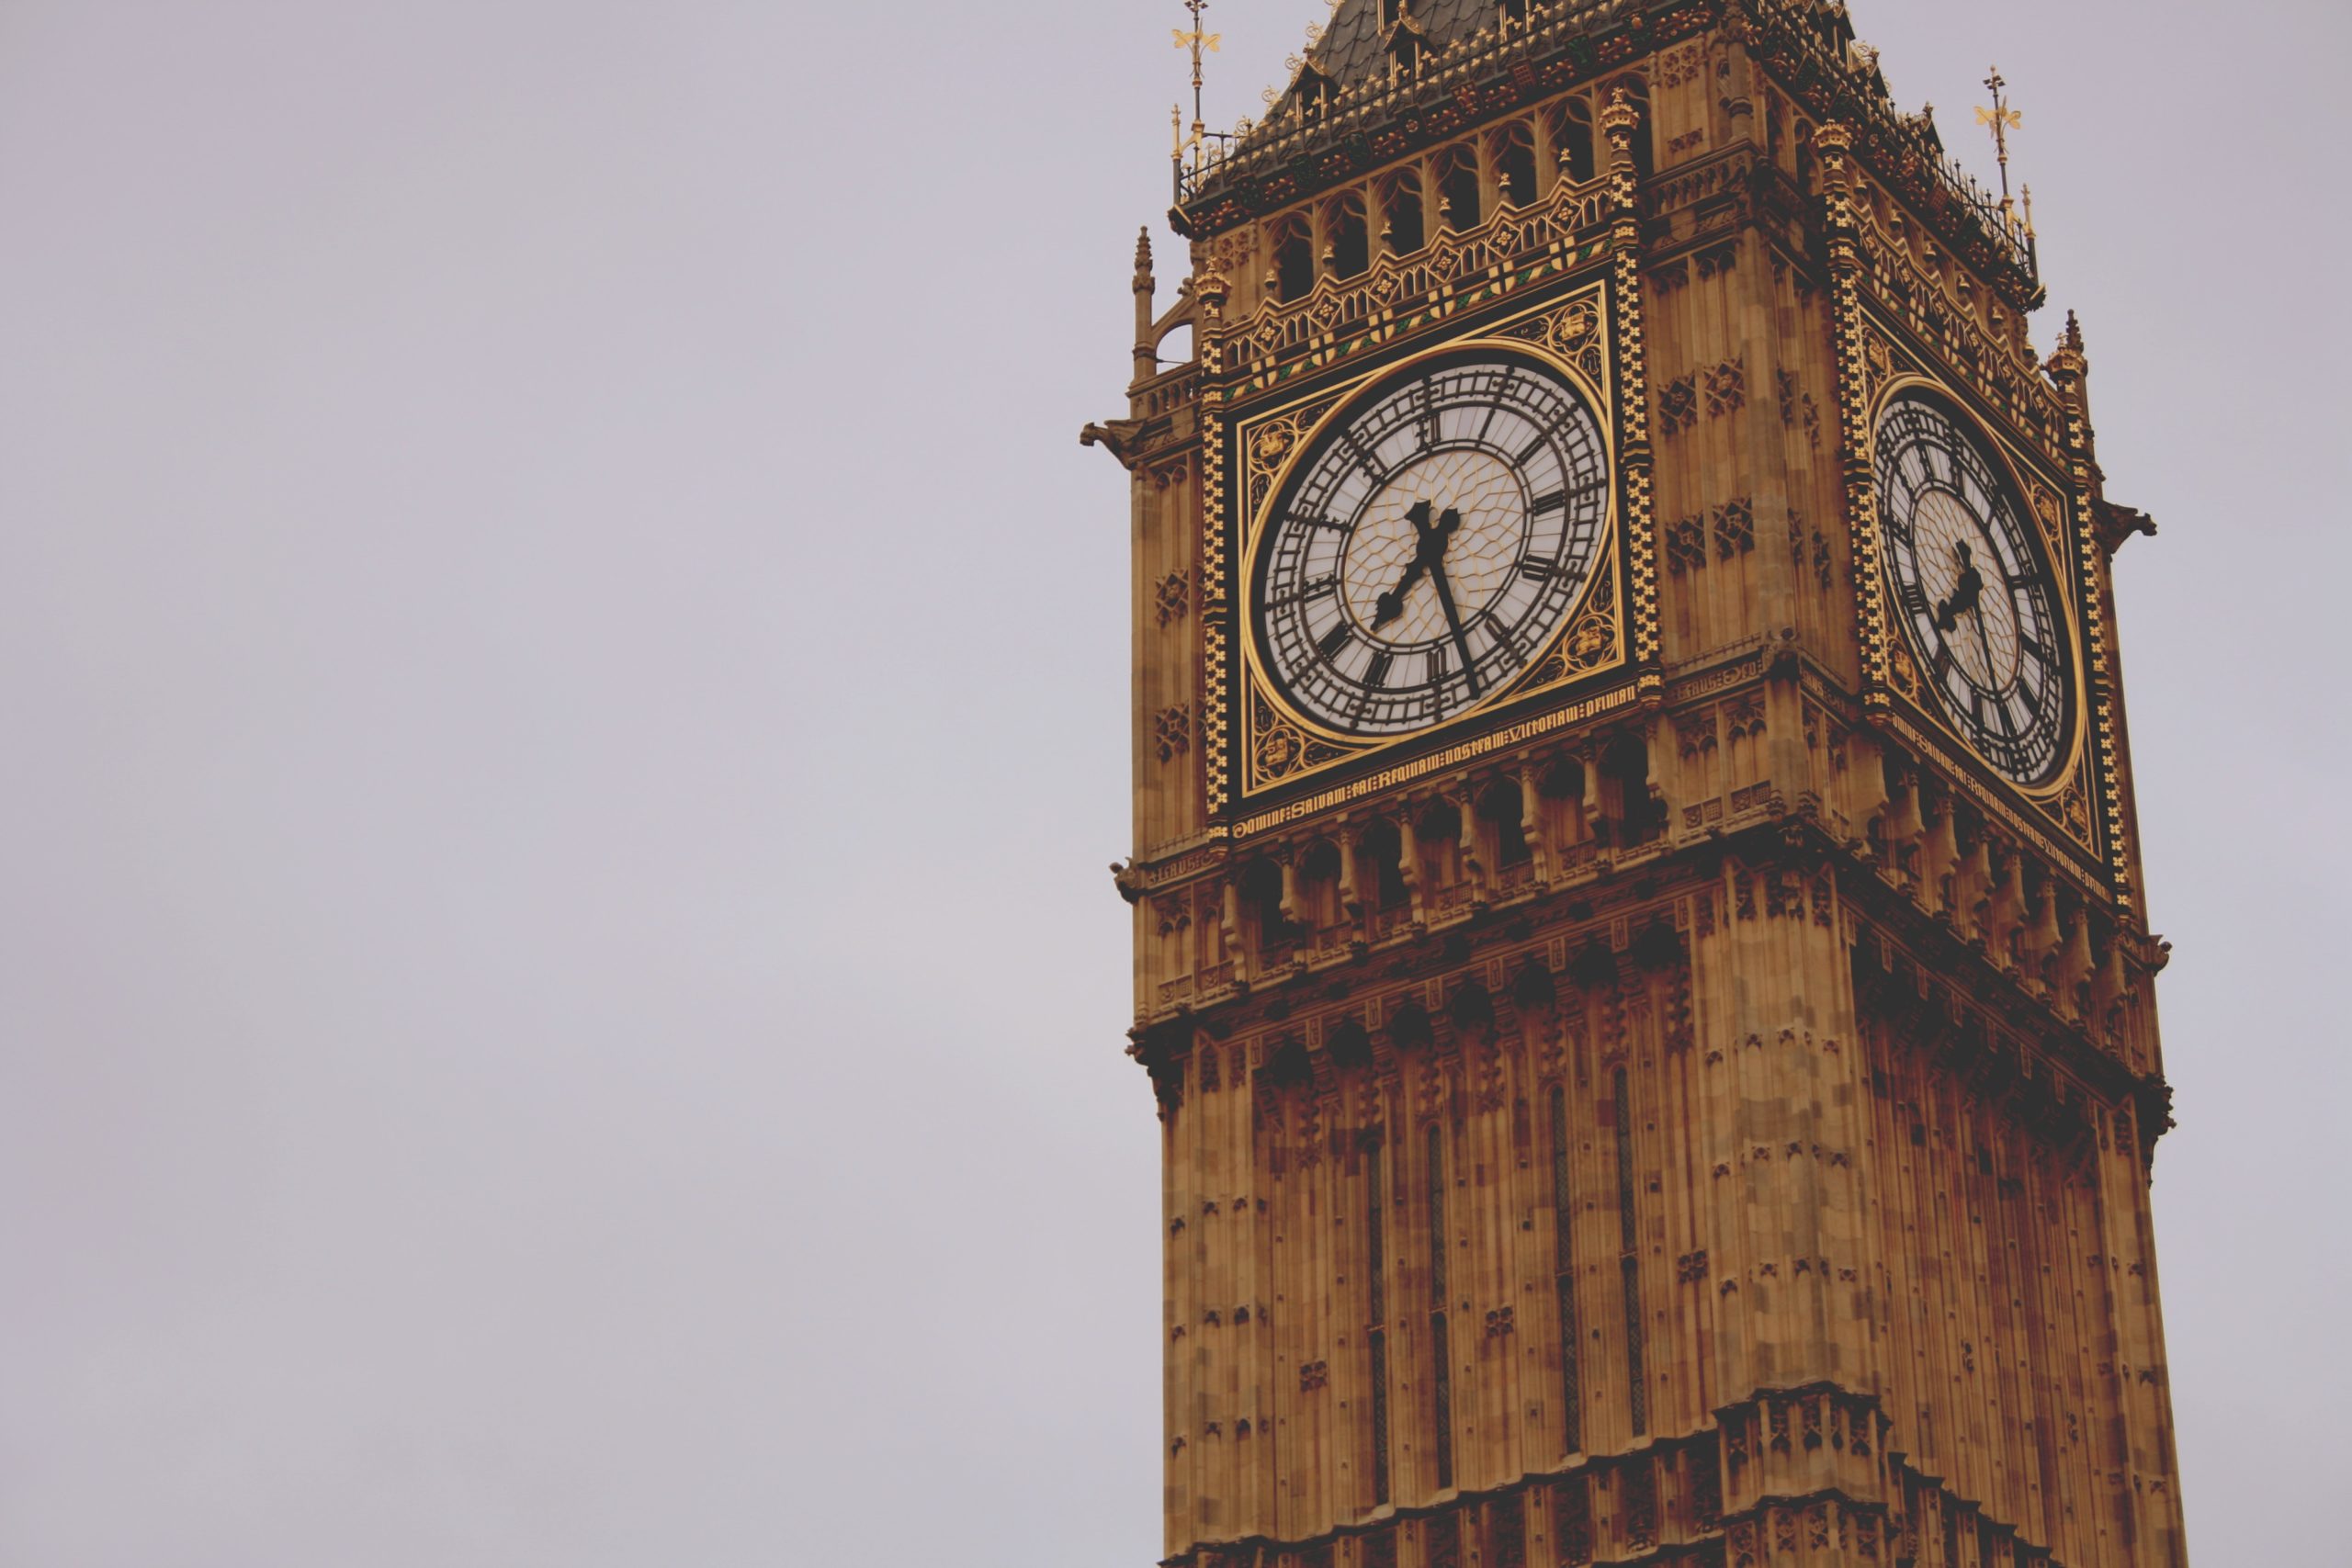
[1971, 590]
[1429, 543]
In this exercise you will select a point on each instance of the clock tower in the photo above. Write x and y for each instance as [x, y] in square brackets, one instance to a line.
[1639, 943]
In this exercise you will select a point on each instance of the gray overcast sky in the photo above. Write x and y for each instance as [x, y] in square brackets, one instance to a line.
[563, 684]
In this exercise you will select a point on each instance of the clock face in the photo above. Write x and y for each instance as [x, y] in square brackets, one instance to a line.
[1430, 543]
[1972, 592]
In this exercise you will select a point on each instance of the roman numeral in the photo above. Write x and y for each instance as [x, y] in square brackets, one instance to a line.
[1377, 675]
[1330, 642]
[1540, 570]
[1364, 455]
[1309, 592]
[1560, 498]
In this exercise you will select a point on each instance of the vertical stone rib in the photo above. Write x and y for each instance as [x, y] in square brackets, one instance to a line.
[1441, 1346]
[1376, 1331]
[1564, 1253]
[1629, 1259]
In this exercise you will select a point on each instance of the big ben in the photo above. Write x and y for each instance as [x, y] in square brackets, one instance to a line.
[1639, 944]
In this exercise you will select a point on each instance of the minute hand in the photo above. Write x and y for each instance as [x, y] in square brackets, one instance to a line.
[1446, 603]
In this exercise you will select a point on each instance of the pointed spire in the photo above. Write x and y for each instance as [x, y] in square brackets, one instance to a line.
[2067, 362]
[1146, 351]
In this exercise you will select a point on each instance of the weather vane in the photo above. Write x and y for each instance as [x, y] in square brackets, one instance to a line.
[1198, 41]
[2003, 119]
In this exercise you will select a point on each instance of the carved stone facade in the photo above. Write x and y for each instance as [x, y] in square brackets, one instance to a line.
[1690, 1110]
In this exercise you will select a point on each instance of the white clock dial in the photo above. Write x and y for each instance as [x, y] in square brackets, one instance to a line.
[1972, 592]
[1429, 543]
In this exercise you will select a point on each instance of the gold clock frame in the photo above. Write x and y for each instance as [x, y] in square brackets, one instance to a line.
[2065, 798]
[1279, 748]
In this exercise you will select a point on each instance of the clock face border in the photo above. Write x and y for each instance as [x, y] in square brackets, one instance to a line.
[2045, 504]
[1277, 753]
[1314, 447]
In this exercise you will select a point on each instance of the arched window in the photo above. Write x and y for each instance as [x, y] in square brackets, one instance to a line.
[1625, 792]
[1294, 259]
[1380, 856]
[1351, 250]
[1502, 810]
[1457, 187]
[1560, 788]
[1572, 134]
[1400, 211]
[1513, 149]
[1637, 96]
[1261, 905]
[1318, 885]
[1439, 831]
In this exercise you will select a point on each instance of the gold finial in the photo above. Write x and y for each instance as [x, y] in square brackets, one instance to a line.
[1618, 112]
[1198, 40]
[2003, 119]
[2068, 359]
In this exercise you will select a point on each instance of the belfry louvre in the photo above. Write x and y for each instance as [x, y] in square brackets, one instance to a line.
[1639, 943]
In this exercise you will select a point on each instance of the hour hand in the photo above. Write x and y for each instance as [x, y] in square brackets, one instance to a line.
[1966, 591]
[1391, 604]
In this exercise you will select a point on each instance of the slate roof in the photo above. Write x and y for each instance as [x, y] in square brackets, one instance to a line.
[1351, 51]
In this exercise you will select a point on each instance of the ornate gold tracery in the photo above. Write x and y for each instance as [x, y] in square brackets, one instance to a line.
[1277, 748]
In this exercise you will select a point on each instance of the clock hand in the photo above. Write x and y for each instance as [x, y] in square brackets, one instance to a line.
[1984, 643]
[1391, 604]
[1435, 546]
[1967, 598]
[1462, 637]
[1965, 591]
